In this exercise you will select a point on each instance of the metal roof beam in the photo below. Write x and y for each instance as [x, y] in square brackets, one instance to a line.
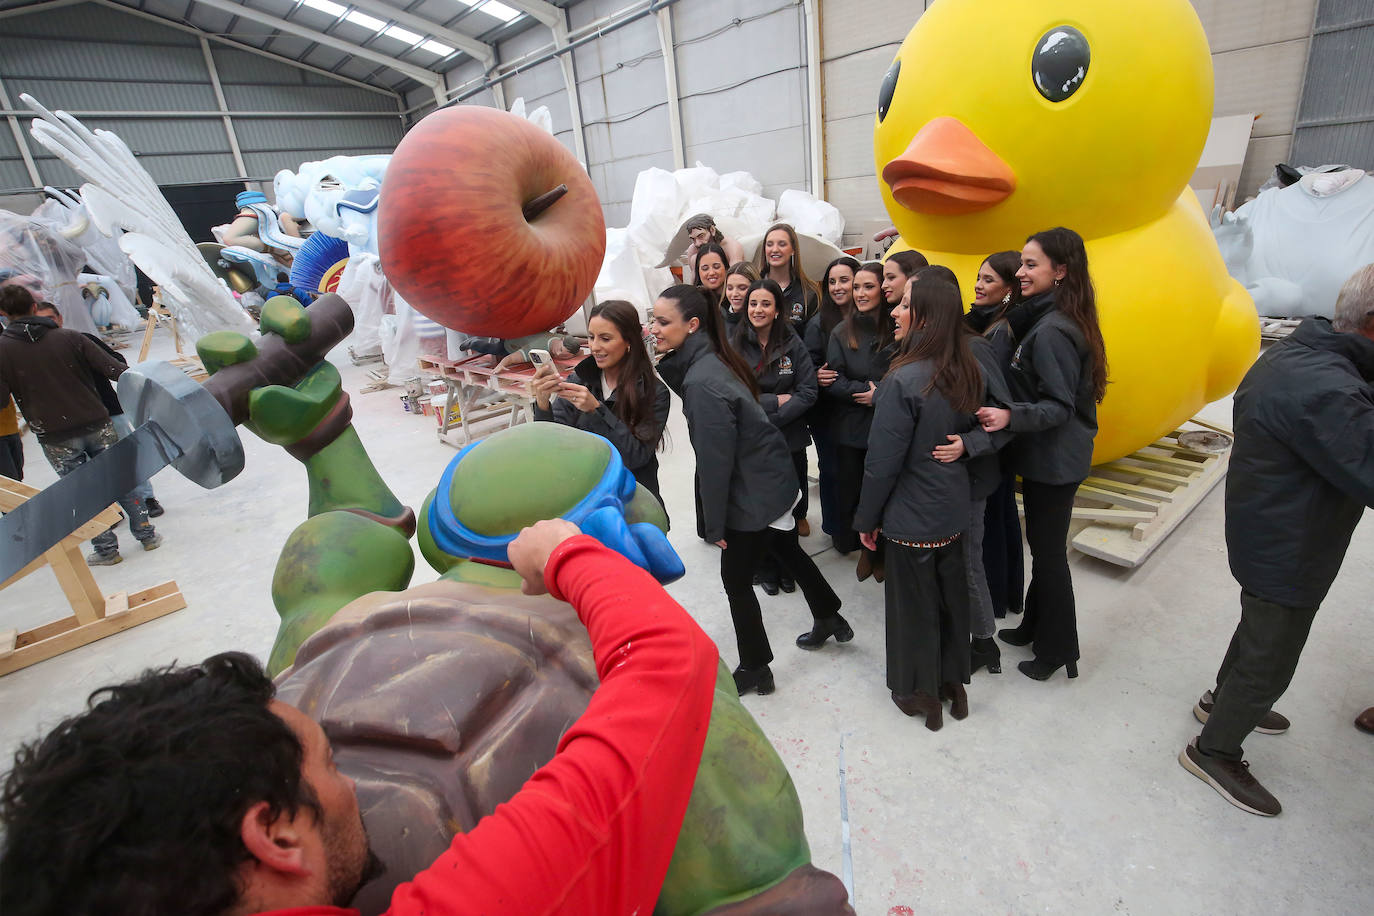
[465, 43]
[419, 74]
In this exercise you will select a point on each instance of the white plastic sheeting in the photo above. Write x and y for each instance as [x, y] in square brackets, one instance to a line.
[663, 200]
[108, 304]
[66, 212]
[1293, 248]
[34, 255]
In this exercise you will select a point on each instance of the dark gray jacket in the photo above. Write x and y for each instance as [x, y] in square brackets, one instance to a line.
[913, 496]
[639, 454]
[982, 448]
[1302, 468]
[743, 463]
[790, 372]
[855, 369]
[1054, 413]
[49, 370]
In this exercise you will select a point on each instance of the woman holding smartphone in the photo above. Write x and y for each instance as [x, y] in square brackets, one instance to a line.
[748, 484]
[613, 392]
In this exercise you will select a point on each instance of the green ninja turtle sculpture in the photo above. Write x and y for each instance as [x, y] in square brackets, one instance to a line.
[441, 700]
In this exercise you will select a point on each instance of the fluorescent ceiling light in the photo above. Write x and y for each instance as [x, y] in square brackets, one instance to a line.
[495, 9]
[364, 20]
[400, 34]
[436, 47]
[325, 6]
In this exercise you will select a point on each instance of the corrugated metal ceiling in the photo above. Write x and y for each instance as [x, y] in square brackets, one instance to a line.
[368, 24]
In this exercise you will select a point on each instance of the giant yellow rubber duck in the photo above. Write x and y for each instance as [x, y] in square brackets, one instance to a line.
[1000, 118]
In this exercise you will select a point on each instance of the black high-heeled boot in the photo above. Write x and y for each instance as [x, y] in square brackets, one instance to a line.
[1042, 671]
[958, 697]
[984, 652]
[921, 704]
[1016, 636]
[748, 680]
[823, 629]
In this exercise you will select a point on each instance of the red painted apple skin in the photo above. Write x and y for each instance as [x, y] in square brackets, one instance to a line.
[454, 240]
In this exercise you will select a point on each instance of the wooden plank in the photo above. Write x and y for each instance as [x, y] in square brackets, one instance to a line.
[1185, 465]
[85, 634]
[77, 583]
[1086, 489]
[47, 630]
[7, 640]
[1149, 473]
[1130, 489]
[117, 603]
[1112, 516]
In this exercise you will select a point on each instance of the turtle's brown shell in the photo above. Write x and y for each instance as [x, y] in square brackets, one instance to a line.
[440, 702]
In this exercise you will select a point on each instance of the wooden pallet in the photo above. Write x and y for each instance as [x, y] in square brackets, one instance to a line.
[1134, 503]
[471, 382]
[1278, 328]
[94, 615]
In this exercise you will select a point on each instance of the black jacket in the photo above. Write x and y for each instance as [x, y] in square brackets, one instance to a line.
[856, 368]
[1054, 413]
[743, 463]
[1302, 468]
[984, 462]
[790, 371]
[913, 496]
[799, 304]
[49, 370]
[638, 454]
[103, 386]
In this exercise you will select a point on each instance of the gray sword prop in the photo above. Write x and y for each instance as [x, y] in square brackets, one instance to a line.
[190, 426]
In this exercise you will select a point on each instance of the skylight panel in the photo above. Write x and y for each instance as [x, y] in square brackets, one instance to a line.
[436, 47]
[325, 6]
[400, 34]
[366, 21]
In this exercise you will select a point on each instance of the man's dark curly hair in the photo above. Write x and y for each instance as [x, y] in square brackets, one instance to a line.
[133, 807]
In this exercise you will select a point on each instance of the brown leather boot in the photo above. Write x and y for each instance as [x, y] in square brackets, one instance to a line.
[803, 528]
[1365, 721]
[958, 697]
[864, 569]
[921, 704]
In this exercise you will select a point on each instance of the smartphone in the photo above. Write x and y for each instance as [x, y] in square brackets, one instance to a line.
[541, 358]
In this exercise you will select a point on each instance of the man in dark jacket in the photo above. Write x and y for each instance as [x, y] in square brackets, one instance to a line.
[49, 370]
[1302, 472]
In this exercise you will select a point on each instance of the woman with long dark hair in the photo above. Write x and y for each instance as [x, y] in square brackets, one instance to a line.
[748, 484]
[1057, 376]
[787, 390]
[708, 269]
[858, 351]
[996, 291]
[898, 270]
[919, 505]
[738, 279]
[779, 259]
[613, 392]
[837, 297]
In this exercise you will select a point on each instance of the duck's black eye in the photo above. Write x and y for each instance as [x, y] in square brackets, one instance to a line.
[889, 87]
[1060, 63]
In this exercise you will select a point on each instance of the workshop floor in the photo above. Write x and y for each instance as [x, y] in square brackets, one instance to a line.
[1058, 797]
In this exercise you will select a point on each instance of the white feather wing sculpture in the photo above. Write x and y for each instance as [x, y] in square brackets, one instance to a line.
[121, 195]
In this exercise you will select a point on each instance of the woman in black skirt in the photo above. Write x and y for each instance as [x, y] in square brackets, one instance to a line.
[919, 505]
[748, 484]
[1057, 377]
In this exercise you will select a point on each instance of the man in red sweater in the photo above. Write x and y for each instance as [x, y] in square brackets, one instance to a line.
[192, 791]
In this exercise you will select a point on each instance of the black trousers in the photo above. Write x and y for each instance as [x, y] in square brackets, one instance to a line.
[827, 475]
[12, 457]
[768, 567]
[1050, 613]
[1003, 562]
[1257, 669]
[743, 552]
[926, 605]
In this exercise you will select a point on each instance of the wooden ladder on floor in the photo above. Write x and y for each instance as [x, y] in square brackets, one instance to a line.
[94, 615]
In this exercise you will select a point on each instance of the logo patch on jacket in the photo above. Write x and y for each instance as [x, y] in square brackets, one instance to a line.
[785, 366]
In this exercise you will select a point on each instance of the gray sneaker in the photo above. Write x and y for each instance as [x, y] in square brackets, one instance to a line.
[1272, 724]
[153, 543]
[1231, 779]
[104, 559]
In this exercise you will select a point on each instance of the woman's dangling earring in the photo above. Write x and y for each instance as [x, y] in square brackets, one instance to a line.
[1006, 300]
[1058, 280]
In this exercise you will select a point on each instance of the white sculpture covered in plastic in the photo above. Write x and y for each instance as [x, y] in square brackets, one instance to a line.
[121, 197]
[1293, 248]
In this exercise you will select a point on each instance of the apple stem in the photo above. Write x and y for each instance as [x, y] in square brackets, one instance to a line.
[543, 202]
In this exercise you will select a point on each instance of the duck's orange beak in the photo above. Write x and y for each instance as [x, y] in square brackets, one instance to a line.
[948, 171]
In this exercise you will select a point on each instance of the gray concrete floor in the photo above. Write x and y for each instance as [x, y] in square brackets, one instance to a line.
[1064, 796]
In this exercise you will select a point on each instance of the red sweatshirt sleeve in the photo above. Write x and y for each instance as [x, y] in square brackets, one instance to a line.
[593, 831]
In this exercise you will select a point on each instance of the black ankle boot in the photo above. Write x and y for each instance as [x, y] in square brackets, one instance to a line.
[823, 629]
[1042, 671]
[750, 680]
[984, 653]
[787, 584]
[1016, 636]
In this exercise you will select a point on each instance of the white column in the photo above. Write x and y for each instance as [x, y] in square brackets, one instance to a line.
[665, 41]
[224, 107]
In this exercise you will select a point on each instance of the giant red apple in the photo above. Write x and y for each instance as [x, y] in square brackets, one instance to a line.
[472, 228]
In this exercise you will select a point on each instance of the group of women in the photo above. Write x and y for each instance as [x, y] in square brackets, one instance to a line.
[923, 418]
